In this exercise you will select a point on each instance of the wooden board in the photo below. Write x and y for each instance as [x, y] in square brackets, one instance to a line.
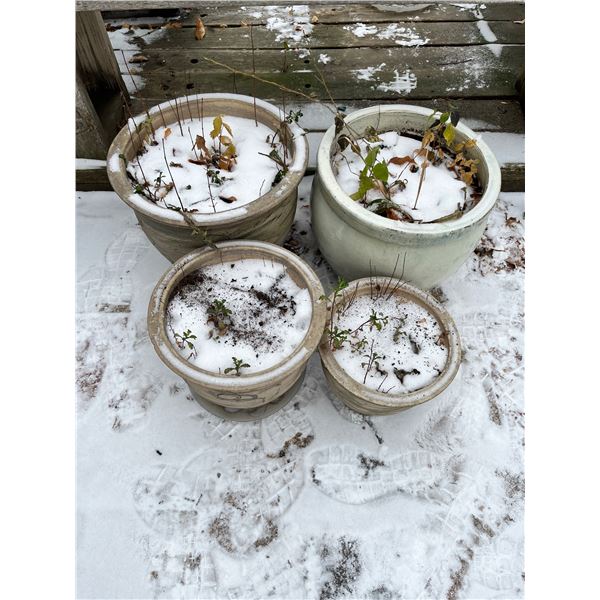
[331, 36]
[449, 72]
[383, 11]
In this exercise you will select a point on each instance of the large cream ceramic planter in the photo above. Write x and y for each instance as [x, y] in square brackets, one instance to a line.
[358, 243]
[248, 396]
[367, 401]
[268, 218]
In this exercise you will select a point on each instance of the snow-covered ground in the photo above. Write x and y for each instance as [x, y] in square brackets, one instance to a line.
[176, 503]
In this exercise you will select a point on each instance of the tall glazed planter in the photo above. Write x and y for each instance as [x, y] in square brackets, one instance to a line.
[358, 243]
[268, 218]
[248, 396]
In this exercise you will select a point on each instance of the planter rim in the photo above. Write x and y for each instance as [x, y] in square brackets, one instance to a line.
[121, 184]
[408, 399]
[381, 224]
[195, 260]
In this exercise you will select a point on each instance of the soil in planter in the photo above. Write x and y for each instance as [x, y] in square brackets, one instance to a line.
[208, 165]
[238, 318]
[443, 195]
[389, 344]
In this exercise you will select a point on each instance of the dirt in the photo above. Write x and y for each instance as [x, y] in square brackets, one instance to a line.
[297, 440]
[482, 527]
[369, 464]
[198, 288]
[514, 484]
[220, 530]
[271, 533]
[343, 566]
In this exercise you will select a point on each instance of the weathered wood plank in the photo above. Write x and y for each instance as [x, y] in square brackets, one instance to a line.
[90, 180]
[381, 12]
[91, 140]
[96, 63]
[415, 73]
[325, 36]
[478, 114]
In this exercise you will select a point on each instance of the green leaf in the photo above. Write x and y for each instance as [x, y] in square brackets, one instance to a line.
[364, 185]
[371, 156]
[444, 117]
[380, 171]
[449, 133]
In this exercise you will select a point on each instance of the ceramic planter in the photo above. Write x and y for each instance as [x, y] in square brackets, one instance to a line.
[268, 218]
[358, 243]
[248, 396]
[367, 401]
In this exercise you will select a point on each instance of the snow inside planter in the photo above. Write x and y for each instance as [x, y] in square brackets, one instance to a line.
[238, 324]
[210, 164]
[238, 318]
[438, 195]
[387, 346]
[391, 344]
[206, 168]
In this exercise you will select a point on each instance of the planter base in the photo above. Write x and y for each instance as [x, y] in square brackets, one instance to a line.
[250, 414]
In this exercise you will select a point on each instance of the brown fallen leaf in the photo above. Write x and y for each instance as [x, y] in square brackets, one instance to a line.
[196, 162]
[138, 58]
[167, 132]
[228, 199]
[173, 25]
[175, 164]
[314, 19]
[200, 31]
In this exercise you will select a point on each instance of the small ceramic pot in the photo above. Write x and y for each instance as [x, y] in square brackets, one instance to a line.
[367, 401]
[268, 218]
[358, 243]
[248, 396]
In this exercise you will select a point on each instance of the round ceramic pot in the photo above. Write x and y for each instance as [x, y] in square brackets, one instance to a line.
[247, 396]
[268, 218]
[367, 401]
[358, 243]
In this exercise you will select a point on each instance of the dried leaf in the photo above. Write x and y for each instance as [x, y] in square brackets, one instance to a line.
[197, 162]
[314, 19]
[167, 133]
[200, 31]
[402, 160]
[138, 58]
[217, 126]
[201, 143]
[228, 199]
[173, 25]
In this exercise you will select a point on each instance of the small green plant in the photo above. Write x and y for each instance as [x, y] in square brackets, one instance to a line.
[183, 340]
[337, 337]
[238, 365]
[293, 116]
[333, 332]
[377, 322]
[219, 316]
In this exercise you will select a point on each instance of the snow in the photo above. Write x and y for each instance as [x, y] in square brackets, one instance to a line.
[367, 73]
[486, 32]
[256, 332]
[361, 30]
[409, 352]
[442, 514]
[401, 84]
[441, 193]
[324, 58]
[291, 23]
[89, 163]
[403, 36]
[250, 177]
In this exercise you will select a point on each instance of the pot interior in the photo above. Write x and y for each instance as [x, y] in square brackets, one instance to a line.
[227, 255]
[195, 107]
[403, 121]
